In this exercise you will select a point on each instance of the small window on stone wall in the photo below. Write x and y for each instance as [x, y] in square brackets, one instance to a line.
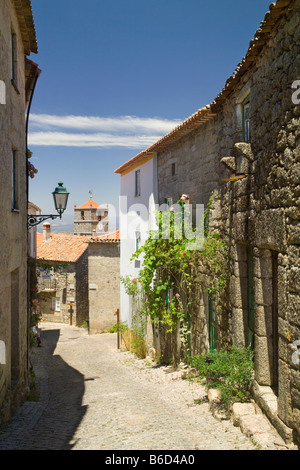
[82, 215]
[173, 169]
[55, 304]
[246, 119]
[13, 46]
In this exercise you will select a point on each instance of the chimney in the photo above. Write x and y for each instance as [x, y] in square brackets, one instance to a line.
[46, 232]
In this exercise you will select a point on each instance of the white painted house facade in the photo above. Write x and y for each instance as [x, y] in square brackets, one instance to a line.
[138, 196]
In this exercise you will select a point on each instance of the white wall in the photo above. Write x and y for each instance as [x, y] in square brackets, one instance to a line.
[130, 222]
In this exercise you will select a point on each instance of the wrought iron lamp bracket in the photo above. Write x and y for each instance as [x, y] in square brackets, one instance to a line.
[35, 219]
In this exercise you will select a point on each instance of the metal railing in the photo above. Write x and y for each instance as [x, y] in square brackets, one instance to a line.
[47, 284]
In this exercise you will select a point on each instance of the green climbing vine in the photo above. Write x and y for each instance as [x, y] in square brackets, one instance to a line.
[171, 272]
[170, 268]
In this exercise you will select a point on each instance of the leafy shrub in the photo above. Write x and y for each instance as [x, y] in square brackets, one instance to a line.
[230, 371]
[119, 328]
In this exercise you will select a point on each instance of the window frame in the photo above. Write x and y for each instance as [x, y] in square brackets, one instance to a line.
[138, 240]
[55, 304]
[246, 131]
[169, 202]
[137, 183]
[14, 61]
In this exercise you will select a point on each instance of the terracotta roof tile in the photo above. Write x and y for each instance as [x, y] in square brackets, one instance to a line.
[26, 23]
[107, 237]
[196, 120]
[90, 205]
[61, 247]
[68, 247]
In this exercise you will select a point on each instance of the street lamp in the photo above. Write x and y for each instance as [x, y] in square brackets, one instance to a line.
[60, 196]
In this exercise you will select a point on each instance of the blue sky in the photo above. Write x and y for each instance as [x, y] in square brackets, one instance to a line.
[119, 74]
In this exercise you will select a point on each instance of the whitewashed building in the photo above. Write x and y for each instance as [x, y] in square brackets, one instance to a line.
[138, 196]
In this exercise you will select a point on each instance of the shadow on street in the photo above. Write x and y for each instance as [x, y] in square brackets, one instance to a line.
[50, 422]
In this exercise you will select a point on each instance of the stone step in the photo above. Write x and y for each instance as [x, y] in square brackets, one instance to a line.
[250, 419]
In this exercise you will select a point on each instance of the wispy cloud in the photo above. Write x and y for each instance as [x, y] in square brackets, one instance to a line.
[95, 131]
[90, 140]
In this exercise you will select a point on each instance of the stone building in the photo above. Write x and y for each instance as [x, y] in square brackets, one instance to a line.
[17, 75]
[104, 281]
[63, 277]
[243, 148]
[90, 219]
[79, 279]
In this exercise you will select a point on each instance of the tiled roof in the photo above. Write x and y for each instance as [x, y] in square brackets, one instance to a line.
[68, 247]
[191, 123]
[268, 25]
[32, 72]
[90, 205]
[107, 237]
[26, 23]
[61, 247]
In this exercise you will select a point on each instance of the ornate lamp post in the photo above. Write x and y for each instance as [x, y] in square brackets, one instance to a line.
[60, 196]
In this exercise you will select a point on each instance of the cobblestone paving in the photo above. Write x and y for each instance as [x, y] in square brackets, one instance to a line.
[94, 397]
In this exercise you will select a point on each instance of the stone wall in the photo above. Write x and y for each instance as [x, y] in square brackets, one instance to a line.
[68, 285]
[89, 224]
[86, 225]
[82, 289]
[13, 238]
[197, 167]
[104, 285]
[265, 213]
[258, 214]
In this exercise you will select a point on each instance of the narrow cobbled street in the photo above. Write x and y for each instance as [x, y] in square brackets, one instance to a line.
[94, 397]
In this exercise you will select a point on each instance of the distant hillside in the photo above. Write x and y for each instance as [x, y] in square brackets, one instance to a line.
[63, 228]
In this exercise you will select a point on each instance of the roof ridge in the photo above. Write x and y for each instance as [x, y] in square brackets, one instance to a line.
[90, 204]
[26, 21]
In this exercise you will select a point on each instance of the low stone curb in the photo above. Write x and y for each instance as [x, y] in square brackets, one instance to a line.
[251, 420]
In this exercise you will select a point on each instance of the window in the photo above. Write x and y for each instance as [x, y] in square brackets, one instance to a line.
[2, 92]
[173, 169]
[212, 323]
[246, 119]
[137, 191]
[169, 202]
[14, 181]
[82, 215]
[13, 58]
[55, 304]
[137, 240]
